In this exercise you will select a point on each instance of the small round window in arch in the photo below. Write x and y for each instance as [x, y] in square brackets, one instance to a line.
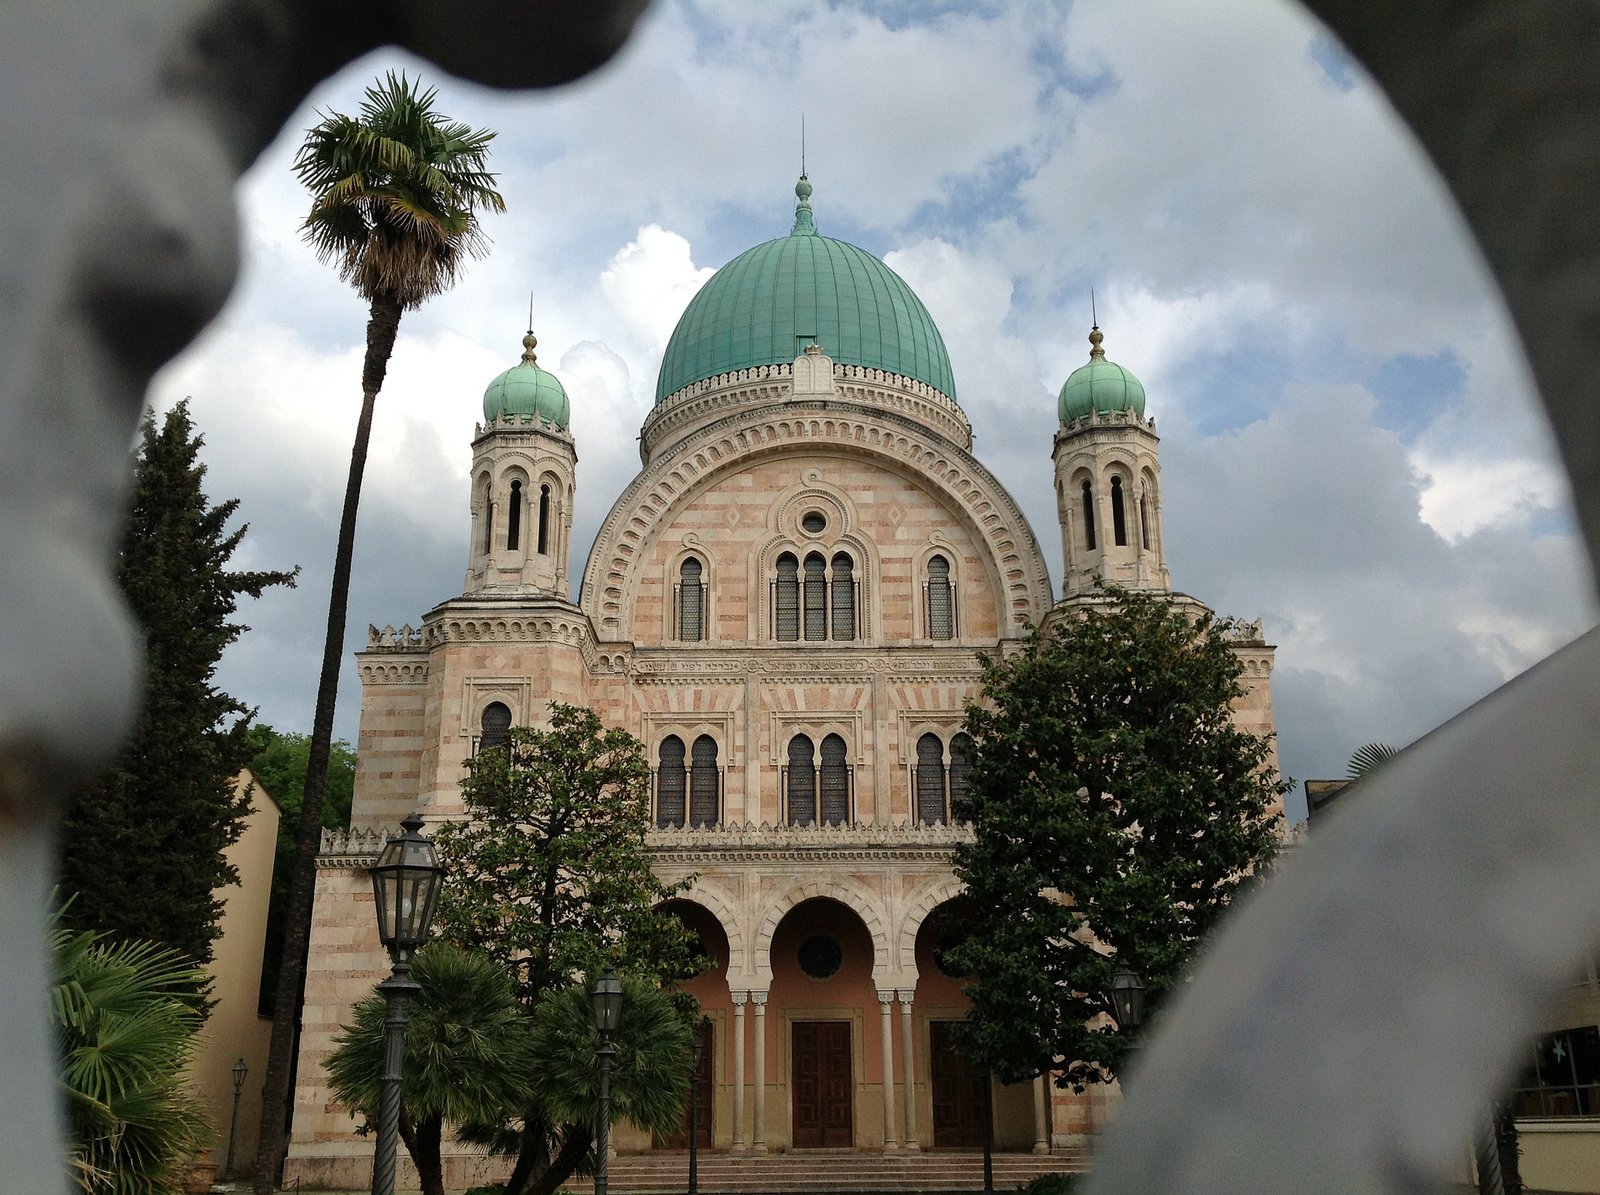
[821, 956]
[813, 522]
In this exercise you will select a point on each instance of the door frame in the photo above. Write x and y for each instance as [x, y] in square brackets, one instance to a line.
[857, 1021]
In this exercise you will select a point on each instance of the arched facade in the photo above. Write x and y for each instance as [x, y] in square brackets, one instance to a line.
[786, 607]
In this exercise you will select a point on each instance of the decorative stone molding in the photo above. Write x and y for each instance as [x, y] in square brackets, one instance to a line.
[820, 662]
[969, 489]
[355, 847]
[940, 891]
[407, 638]
[392, 672]
[854, 895]
[746, 843]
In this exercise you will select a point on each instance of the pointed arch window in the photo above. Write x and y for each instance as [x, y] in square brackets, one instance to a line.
[670, 783]
[836, 779]
[1144, 517]
[1088, 517]
[514, 517]
[844, 597]
[786, 599]
[544, 520]
[705, 783]
[941, 600]
[929, 780]
[494, 726]
[800, 783]
[1119, 517]
[488, 518]
[691, 601]
[816, 597]
[960, 773]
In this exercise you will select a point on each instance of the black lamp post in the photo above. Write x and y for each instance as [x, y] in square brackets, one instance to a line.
[694, 1114]
[405, 887]
[1127, 1004]
[240, 1070]
[607, 998]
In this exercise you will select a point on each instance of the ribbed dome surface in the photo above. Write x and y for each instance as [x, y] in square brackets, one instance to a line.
[767, 304]
[527, 392]
[1101, 385]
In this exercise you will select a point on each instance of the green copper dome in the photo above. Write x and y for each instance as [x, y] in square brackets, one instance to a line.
[527, 392]
[767, 304]
[1101, 385]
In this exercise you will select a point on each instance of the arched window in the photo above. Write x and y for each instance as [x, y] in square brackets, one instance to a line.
[835, 783]
[816, 597]
[786, 599]
[1088, 517]
[960, 770]
[705, 781]
[494, 726]
[929, 778]
[669, 783]
[1119, 518]
[1144, 517]
[514, 517]
[844, 597]
[544, 520]
[941, 603]
[800, 777]
[488, 518]
[691, 602]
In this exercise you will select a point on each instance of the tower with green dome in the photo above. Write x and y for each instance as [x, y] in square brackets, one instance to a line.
[1108, 480]
[524, 466]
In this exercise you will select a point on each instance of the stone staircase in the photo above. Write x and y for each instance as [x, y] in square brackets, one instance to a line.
[827, 1171]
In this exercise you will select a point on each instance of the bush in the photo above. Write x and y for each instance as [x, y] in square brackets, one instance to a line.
[1051, 1184]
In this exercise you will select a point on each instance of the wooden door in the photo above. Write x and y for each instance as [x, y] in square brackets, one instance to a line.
[957, 1091]
[702, 1096]
[821, 1082]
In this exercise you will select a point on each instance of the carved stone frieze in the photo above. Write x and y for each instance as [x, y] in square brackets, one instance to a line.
[355, 847]
[743, 844]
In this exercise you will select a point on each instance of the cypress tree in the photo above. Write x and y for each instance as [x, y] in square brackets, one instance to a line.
[141, 850]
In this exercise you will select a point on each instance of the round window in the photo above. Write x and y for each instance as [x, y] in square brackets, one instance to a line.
[813, 522]
[820, 956]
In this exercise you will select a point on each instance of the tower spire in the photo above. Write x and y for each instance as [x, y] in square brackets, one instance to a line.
[803, 224]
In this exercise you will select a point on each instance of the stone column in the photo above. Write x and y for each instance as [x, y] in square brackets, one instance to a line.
[1041, 1119]
[906, 1049]
[758, 1142]
[740, 1141]
[886, 1008]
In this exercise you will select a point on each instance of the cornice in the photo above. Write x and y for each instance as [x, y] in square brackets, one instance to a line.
[803, 666]
[749, 844]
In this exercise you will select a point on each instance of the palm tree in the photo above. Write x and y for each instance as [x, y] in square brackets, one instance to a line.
[468, 1056]
[1368, 757]
[126, 1015]
[396, 194]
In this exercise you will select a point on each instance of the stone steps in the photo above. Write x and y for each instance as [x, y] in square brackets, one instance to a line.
[820, 1171]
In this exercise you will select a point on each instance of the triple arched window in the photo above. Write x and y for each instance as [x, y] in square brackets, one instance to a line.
[688, 783]
[818, 784]
[817, 599]
[938, 780]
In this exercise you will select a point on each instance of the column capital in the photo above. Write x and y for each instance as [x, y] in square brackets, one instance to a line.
[907, 996]
[739, 997]
[759, 999]
[886, 997]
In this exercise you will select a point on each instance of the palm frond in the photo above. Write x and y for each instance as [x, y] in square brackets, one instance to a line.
[1368, 757]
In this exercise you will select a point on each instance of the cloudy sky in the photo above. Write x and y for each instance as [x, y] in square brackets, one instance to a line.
[1350, 443]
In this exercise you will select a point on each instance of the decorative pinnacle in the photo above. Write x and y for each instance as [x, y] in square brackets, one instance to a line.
[529, 343]
[803, 224]
[1096, 353]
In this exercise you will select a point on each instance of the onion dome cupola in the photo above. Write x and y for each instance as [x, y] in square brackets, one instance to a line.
[527, 392]
[766, 306]
[1100, 386]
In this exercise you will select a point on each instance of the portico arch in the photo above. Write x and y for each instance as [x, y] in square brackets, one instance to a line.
[863, 901]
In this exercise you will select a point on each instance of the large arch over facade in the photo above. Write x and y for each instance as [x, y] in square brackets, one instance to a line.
[928, 898]
[854, 895]
[721, 905]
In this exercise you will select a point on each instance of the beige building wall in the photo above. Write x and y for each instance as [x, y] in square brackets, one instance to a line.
[234, 1029]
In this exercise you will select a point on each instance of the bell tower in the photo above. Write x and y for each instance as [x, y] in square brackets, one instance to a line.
[1108, 480]
[524, 466]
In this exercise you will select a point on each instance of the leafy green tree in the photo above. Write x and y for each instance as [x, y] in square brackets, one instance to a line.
[396, 194]
[549, 876]
[142, 847]
[279, 765]
[1117, 810]
[468, 1059]
[126, 1015]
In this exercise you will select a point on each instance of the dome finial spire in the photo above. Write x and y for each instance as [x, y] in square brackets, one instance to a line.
[803, 224]
[530, 341]
[1096, 353]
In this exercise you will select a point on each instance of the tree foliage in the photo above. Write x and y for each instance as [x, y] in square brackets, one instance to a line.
[1368, 758]
[468, 1054]
[550, 877]
[396, 196]
[142, 848]
[279, 765]
[126, 1015]
[1117, 809]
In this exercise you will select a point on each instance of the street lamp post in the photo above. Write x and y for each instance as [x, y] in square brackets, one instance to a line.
[240, 1070]
[607, 999]
[1127, 1004]
[405, 887]
[694, 1114]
